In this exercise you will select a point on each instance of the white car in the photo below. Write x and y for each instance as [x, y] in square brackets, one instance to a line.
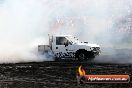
[67, 46]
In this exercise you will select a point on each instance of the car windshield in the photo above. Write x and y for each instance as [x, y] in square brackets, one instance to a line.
[73, 39]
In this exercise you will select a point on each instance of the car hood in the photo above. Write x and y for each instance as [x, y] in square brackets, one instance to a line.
[88, 44]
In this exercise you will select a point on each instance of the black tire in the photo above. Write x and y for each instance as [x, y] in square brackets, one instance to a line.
[81, 56]
[84, 55]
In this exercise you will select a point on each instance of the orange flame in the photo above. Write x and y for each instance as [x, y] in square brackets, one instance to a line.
[81, 71]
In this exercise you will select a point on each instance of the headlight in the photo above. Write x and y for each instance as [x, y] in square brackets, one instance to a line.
[95, 48]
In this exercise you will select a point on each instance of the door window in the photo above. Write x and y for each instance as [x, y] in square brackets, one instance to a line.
[61, 40]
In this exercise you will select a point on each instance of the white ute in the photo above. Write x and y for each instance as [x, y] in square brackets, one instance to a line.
[67, 46]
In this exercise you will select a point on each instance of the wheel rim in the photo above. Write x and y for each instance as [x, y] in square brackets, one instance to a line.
[81, 56]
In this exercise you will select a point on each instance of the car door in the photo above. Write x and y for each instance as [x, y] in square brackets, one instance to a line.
[59, 48]
[70, 50]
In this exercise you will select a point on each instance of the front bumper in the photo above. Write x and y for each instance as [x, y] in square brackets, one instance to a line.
[96, 51]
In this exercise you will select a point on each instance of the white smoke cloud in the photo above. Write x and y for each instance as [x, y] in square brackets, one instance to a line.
[26, 23]
[21, 25]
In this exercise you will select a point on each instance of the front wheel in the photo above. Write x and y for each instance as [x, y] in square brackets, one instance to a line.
[85, 55]
[82, 56]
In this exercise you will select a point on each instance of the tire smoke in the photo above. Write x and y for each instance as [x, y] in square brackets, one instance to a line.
[24, 24]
